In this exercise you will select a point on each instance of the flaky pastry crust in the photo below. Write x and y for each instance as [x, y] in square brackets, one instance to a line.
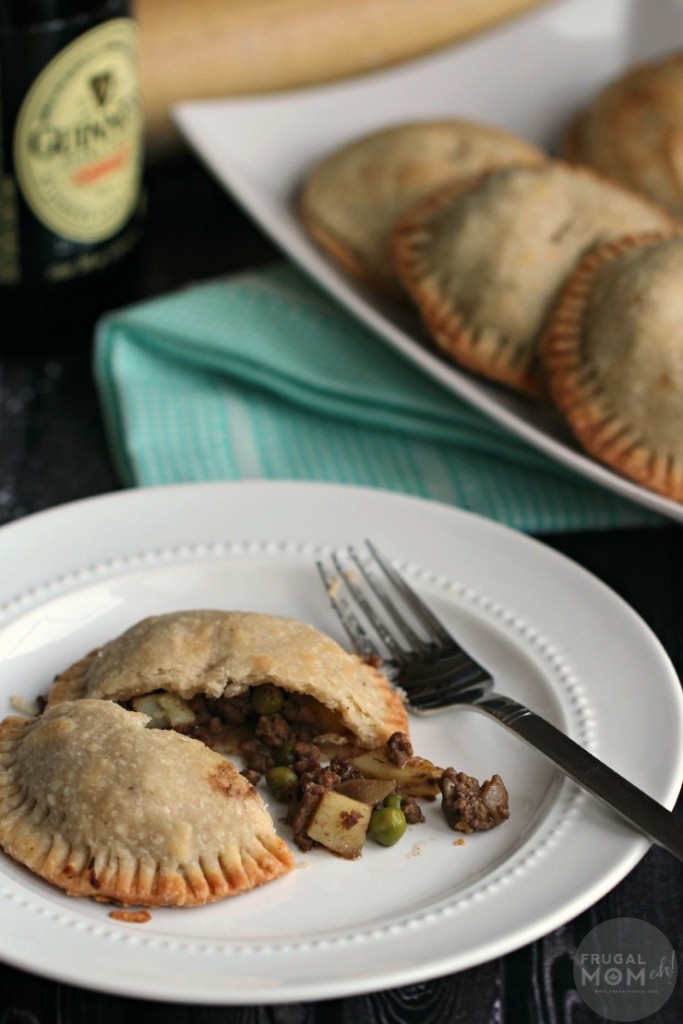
[224, 653]
[99, 805]
[351, 199]
[484, 260]
[612, 352]
[632, 131]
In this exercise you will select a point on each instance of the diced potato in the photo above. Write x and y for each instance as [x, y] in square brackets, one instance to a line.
[368, 791]
[417, 777]
[340, 824]
[166, 710]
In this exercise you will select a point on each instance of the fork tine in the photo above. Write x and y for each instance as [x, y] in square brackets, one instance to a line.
[360, 641]
[385, 600]
[439, 634]
[431, 672]
[398, 653]
[355, 586]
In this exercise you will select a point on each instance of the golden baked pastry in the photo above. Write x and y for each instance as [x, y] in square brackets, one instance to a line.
[613, 353]
[351, 200]
[484, 260]
[99, 805]
[633, 131]
[220, 657]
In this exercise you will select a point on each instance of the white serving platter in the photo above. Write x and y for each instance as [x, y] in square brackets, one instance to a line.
[529, 76]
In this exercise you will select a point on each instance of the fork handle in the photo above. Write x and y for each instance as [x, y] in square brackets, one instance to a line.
[648, 816]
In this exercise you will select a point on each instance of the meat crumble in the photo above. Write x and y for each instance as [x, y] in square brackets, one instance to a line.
[469, 807]
[274, 729]
[399, 749]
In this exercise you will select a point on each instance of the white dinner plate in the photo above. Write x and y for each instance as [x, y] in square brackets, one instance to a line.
[554, 636]
[529, 76]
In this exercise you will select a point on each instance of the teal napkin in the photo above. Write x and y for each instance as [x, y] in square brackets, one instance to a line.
[262, 375]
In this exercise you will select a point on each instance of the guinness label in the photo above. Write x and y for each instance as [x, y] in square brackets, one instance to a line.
[78, 137]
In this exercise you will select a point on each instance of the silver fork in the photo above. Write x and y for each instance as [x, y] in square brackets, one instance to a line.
[385, 618]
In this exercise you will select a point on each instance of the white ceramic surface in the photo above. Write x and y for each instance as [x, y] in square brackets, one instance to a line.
[529, 76]
[553, 635]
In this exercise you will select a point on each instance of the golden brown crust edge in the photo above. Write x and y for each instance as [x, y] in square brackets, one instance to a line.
[630, 131]
[348, 257]
[365, 258]
[36, 833]
[575, 392]
[71, 683]
[481, 351]
[371, 709]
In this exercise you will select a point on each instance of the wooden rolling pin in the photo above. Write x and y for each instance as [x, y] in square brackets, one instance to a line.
[194, 49]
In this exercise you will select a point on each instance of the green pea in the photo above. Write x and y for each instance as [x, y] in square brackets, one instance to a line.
[266, 699]
[393, 801]
[387, 825]
[284, 754]
[280, 778]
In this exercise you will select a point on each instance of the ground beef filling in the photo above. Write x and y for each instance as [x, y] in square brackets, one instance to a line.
[266, 725]
[399, 748]
[311, 777]
[274, 729]
[469, 807]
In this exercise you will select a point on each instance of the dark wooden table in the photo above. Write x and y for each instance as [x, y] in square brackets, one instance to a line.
[52, 450]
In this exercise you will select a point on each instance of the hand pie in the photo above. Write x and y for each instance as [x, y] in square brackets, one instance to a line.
[484, 260]
[633, 132]
[614, 358]
[198, 663]
[99, 805]
[351, 200]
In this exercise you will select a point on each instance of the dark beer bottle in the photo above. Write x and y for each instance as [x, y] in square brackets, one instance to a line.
[71, 168]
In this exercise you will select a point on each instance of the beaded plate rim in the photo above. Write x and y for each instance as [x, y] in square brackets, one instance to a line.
[565, 805]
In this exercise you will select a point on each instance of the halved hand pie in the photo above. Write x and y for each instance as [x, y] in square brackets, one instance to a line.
[96, 803]
[208, 670]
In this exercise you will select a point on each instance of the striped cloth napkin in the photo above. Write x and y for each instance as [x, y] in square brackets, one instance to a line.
[262, 375]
